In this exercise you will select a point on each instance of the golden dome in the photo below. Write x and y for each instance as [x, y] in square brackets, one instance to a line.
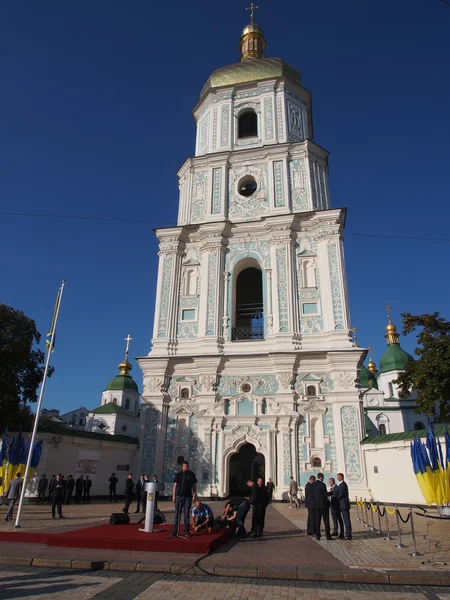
[124, 367]
[391, 336]
[251, 28]
[372, 366]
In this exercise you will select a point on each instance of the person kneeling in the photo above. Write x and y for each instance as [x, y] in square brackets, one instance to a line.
[202, 517]
[228, 519]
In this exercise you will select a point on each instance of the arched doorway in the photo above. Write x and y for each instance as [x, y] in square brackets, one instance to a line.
[244, 465]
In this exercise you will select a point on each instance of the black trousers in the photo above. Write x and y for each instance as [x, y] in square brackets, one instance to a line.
[258, 519]
[128, 501]
[320, 514]
[86, 493]
[112, 494]
[68, 498]
[138, 502]
[334, 518]
[78, 496]
[56, 504]
[310, 522]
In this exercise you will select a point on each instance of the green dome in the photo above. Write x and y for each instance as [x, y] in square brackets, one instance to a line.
[367, 379]
[250, 69]
[394, 359]
[122, 382]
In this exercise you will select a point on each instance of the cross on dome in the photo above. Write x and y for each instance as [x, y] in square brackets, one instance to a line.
[128, 340]
[252, 8]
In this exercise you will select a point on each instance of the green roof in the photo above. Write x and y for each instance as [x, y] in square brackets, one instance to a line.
[109, 409]
[404, 435]
[61, 430]
[367, 379]
[394, 359]
[122, 382]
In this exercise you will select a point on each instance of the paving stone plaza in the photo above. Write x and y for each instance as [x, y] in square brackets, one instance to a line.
[285, 563]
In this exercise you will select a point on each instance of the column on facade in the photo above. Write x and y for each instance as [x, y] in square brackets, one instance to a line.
[282, 259]
[211, 311]
[226, 317]
[269, 301]
[219, 454]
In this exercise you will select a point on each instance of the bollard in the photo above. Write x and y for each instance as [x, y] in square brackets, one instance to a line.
[366, 524]
[399, 544]
[373, 521]
[413, 533]
[379, 520]
[357, 509]
[388, 534]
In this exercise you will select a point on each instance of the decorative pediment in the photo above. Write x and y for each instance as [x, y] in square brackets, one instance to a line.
[217, 409]
[314, 405]
[277, 408]
[183, 410]
[189, 380]
[309, 377]
[248, 433]
[306, 254]
[191, 263]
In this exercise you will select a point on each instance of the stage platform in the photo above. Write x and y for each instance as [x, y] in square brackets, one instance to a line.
[123, 537]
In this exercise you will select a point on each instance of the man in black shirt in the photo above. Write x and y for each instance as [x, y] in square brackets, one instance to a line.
[319, 497]
[183, 494]
[113, 481]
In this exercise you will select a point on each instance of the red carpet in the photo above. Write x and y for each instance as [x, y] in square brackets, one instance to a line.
[124, 537]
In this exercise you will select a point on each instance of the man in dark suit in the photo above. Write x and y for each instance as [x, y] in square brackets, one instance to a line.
[58, 496]
[42, 488]
[139, 488]
[271, 487]
[113, 481]
[321, 507]
[260, 500]
[129, 486]
[309, 506]
[79, 487]
[87, 490]
[343, 504]
[70, 484]
[333, 504]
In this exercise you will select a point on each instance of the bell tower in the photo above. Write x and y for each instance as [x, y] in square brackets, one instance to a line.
[252, 315]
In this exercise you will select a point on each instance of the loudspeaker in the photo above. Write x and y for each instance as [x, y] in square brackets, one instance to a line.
[119, 519]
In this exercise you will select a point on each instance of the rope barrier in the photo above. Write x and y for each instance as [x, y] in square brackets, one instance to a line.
[382, 513]
[390, 512]
[402, 519]
[374, 507]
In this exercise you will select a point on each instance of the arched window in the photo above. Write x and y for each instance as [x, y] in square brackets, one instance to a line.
[419, 425]
[74, 419]
[248, 124]
[313, 432]
[127, 403]
[114, 400]
[311, 390]
[264, 406]
[382, 428]
[249, 311]
[391, 389]
[316, 463]
[226, 407]
[184, 393]
[81, 421]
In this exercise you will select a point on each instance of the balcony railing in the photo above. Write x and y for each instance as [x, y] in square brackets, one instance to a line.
[254, 332]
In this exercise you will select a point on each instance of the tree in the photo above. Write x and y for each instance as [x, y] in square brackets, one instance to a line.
[21, 367]
[429, 375]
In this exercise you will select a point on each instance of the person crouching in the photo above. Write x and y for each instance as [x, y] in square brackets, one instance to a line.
[202, 517]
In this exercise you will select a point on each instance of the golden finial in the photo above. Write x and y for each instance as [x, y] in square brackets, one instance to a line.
[252, 8]
[391, 330]
[125, 366]
[252, 42]
[371, 365]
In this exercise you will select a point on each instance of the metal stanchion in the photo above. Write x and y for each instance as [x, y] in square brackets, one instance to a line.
[413, 533]
[399, 544]
[388, 533]
[357, 510]
[379, 519]
[365, 508]
[373, 522]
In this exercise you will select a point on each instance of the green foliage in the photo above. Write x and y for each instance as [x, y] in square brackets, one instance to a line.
[429, 375]
[21, 367]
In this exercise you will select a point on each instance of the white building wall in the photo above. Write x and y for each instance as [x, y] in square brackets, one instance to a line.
[390, 473]
[60, 455]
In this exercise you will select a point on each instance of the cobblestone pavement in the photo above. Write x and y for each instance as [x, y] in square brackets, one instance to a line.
[367, 549]
[18, 583]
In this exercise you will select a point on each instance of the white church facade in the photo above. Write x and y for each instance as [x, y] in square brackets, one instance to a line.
[252, 367]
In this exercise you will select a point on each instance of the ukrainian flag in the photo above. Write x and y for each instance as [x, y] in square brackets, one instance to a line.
[422, 470]
[431, 467]
[3, 461]
[51, 333]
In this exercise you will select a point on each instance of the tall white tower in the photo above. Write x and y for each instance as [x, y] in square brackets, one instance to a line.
[252, 368]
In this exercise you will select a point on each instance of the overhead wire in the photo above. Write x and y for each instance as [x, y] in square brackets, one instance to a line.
[153, 222]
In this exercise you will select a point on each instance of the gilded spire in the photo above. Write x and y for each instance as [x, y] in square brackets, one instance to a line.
[125, 366]
[391, 336]
[371, 365]
[252, 42]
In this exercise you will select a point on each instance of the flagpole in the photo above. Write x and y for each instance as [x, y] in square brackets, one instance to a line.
[39, 403]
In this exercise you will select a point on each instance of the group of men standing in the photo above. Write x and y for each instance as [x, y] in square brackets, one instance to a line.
[320, 501]
[64, 489]
[133, 490]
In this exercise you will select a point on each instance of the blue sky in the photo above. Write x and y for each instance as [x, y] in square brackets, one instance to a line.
[95, 121]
